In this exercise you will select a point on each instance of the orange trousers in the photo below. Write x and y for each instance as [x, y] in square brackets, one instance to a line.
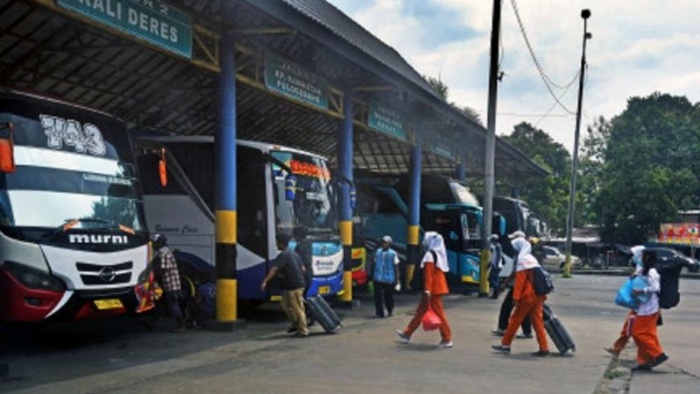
[436, 305]
[645, 336]
[625, 333]
[534, 310]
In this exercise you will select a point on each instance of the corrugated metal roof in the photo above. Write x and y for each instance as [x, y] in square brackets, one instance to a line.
[354, 34]
[52, 53]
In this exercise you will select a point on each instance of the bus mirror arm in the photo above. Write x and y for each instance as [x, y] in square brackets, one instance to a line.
[7, 148]
[273, 159]
[341, 178]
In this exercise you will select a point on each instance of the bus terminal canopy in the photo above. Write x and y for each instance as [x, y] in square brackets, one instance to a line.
[156, 64]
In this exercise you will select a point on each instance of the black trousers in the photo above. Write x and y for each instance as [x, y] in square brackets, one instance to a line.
[383, 295]
[172, 302]
[504, 315]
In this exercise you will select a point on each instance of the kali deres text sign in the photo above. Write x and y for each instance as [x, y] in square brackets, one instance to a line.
[149, 20]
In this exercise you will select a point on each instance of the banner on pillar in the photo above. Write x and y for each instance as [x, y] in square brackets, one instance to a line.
[386, 120]
[293, 81]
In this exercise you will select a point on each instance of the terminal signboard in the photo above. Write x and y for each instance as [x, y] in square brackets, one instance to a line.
[295, 82]
[386, 120]
[149, 20]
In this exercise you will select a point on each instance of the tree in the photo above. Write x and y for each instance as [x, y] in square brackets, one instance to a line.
[590, 170]
[547, 197]
[651, 168]
[443, 91]
[438, 86]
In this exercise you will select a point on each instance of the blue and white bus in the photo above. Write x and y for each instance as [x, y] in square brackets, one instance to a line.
[183, 210]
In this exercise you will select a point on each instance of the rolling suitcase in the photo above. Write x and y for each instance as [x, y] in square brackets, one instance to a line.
[557, 332]
[322, 312]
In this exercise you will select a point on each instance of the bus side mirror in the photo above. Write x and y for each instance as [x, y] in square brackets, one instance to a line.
[290, 187]
[163, 169]
[7, 148]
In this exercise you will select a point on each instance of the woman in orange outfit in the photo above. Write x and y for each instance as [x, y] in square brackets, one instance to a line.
[435, 286]
[527, 302]
[646, 316]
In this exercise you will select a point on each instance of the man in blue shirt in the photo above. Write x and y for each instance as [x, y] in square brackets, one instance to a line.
[385, 276]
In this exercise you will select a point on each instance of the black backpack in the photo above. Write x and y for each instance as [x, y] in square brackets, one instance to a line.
[418, 274]
[542, 281]
[669, 296]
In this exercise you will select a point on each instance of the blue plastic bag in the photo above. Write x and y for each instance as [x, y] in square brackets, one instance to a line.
[624, 296]
[639, 284]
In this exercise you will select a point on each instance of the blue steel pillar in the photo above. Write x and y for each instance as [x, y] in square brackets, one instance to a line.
[413, 250]
[226, 216]
[345, 153]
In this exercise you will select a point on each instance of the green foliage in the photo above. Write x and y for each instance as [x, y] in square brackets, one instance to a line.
[547, 197]
[651, 167]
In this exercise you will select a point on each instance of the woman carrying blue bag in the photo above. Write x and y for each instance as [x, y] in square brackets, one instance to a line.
[641, 292]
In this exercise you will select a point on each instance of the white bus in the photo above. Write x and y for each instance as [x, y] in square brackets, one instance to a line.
[183, 210]
[73, 240]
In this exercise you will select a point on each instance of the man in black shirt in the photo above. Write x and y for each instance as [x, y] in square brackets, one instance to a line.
[286, 269]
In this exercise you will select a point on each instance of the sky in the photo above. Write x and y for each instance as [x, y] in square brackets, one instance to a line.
[638, 47]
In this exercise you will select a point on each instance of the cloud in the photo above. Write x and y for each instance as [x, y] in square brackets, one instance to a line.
[638, 47]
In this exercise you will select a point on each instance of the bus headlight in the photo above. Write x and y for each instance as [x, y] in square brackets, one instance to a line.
[33, 278]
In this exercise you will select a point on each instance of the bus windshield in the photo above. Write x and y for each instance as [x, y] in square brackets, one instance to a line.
[54, 185]
[314, 203]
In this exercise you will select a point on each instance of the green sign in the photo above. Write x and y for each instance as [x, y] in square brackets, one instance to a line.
[148, 20]
[293, 81]
[386, 120]
[441, 146]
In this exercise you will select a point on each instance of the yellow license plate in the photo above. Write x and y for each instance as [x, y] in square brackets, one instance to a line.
[108, 304]
[324, 289]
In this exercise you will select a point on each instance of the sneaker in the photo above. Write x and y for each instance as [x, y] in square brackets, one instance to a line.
[498, 332]
[541, 353]
[445, 345]
[404, 338]
[642, 367]
[501, 349]
[612, 351]
[292, 329]
[524, 336]
[300, 334]
[660, 359]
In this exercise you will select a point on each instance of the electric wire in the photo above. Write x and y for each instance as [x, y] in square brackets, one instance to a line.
[547, 81]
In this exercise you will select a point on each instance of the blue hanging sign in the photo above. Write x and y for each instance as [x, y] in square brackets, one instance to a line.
[386, 120]
[295, 82]
[149, 20]
[441, 146]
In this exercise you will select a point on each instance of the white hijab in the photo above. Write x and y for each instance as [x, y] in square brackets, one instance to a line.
[526, 260]
[434, 241]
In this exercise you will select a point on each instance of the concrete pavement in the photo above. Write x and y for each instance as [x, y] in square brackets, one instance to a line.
[365, 355]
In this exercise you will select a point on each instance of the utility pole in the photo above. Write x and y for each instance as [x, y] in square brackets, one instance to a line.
[585, 14]
[489, 176]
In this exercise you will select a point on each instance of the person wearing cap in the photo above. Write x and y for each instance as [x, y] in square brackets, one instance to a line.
[168, 277]
[287, 271]
[527, 302]
[434, 265]
[384, 272]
